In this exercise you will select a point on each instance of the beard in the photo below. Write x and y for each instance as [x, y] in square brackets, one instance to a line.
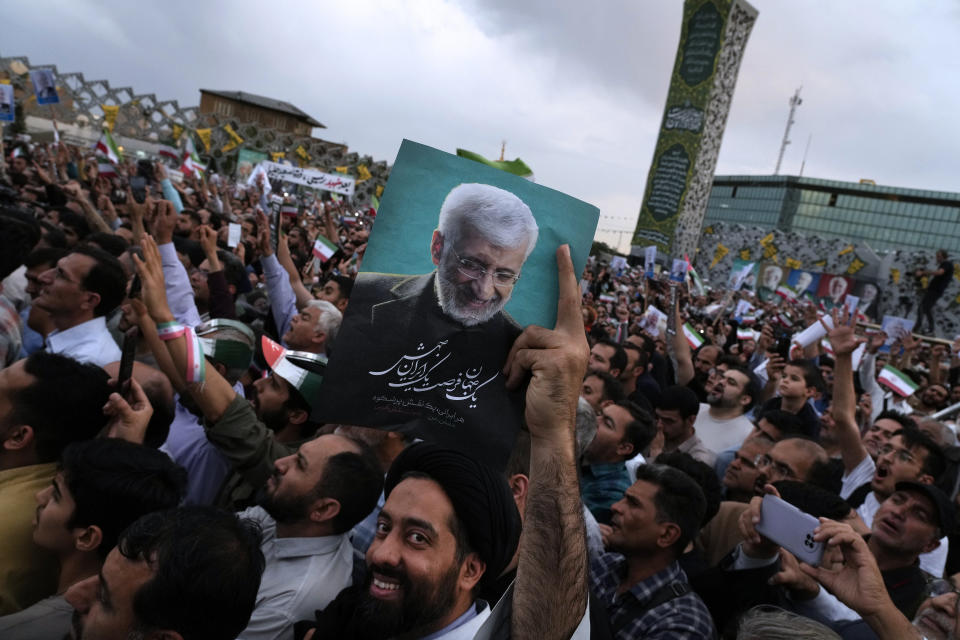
[283, 509]
[455, 297]
[422, 606]
[939, 626]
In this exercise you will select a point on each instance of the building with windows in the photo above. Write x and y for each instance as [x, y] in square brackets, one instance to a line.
[880, 216]
[247, 107]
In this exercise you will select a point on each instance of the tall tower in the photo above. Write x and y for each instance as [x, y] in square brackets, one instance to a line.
[795, 102]
[713, 36]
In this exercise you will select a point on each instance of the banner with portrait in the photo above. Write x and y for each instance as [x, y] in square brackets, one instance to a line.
[461, 258]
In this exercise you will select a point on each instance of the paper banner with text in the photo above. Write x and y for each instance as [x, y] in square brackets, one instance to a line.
[343, 185]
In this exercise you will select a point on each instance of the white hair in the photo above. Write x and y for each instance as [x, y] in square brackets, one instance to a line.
[499, 216]
[329, 319]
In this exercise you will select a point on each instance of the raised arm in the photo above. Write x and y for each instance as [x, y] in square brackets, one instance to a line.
[679, 349]
[553, 547]
[845, 342]
[215, 394]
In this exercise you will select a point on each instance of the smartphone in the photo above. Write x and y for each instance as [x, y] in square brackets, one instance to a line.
[783, 346]
[126, 361]
[138, 185]
[791, 528]
[135, 287]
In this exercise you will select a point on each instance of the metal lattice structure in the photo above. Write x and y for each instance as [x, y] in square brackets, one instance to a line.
[141, 116]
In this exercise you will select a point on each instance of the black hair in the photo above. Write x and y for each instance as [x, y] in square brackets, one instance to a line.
[106, 278]
[809, 498]
[678, 500]
[345, 283]
[788, 424]
[519, 462]
[206, 565]
[641, 430]
[618, 360]
[63, 405]
[233, 270]
[811, 373]
[680, 398]
[44, 256]
[701, 473]
[52, 235]
[934, 462]
[73, 220]
[905, 421]
[18, 235]
[612, 388]
[113, 482]
[111, 243]
[643, 357]
[355, 480]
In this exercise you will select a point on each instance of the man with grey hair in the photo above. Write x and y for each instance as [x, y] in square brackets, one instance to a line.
[425, 352]
[313, 329]
[483, 237]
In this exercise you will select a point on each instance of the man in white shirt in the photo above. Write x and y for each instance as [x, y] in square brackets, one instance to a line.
[78, 293]
[721, 423]
[310, 504]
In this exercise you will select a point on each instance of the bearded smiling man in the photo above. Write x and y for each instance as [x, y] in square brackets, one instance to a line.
[425, 351]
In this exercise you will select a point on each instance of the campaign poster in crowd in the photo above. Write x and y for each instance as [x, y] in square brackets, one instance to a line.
[748, 281]
[44, 86]
[833, 289]
[805, 283]
[462, 257]
[895, 327]
[247, 159]
[771, 275]
[7, 104]
[868, 293]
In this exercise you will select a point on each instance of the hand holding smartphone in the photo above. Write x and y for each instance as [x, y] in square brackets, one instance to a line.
[791, 528]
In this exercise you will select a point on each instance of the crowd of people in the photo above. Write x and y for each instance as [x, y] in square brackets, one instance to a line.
[205, 498]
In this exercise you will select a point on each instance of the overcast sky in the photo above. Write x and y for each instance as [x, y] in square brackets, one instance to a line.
[576, 89]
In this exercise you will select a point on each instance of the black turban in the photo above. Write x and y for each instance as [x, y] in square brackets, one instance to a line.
[481, 499]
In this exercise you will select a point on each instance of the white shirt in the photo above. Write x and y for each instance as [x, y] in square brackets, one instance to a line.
[718, 435]
[859, 475]
[88, 341]
[301, 576]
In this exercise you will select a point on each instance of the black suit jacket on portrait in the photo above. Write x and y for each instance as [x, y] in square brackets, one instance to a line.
[399, 362]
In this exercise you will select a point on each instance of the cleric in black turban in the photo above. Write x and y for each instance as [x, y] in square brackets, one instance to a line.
[481, 499]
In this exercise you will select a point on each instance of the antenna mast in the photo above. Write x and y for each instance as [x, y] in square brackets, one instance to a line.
[795, 102]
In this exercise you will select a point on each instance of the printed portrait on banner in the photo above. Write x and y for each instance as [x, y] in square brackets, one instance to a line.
[461, 258]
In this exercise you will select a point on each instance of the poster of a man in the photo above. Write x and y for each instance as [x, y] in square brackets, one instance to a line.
[869, 294]
[462, 257]
[833, 289]
[771, 275]
[803, 282]
[7, 108]
[44, 86]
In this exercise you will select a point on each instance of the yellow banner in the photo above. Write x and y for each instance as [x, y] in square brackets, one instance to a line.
[230, 146]
[744, 254]
[379, 190]
[820, 263]
[708, 231]
[176, 132]
[363, 174]
[770, 251]
[767, 239]
[276, 155]
[110, 112]
[848, 249]
[793, 263]
[895, 275]
[856, 265]
[234, 136]
[204, 135]
[719, 255]
[341, 169]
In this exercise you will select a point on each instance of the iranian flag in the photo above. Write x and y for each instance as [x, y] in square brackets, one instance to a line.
[694, 339]
[107, 148]
[169, 152]
[786, 292]
[323, 248]
[746, 334]
[289, 210]
[191, 161]
[897, 381]
[106, 170]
